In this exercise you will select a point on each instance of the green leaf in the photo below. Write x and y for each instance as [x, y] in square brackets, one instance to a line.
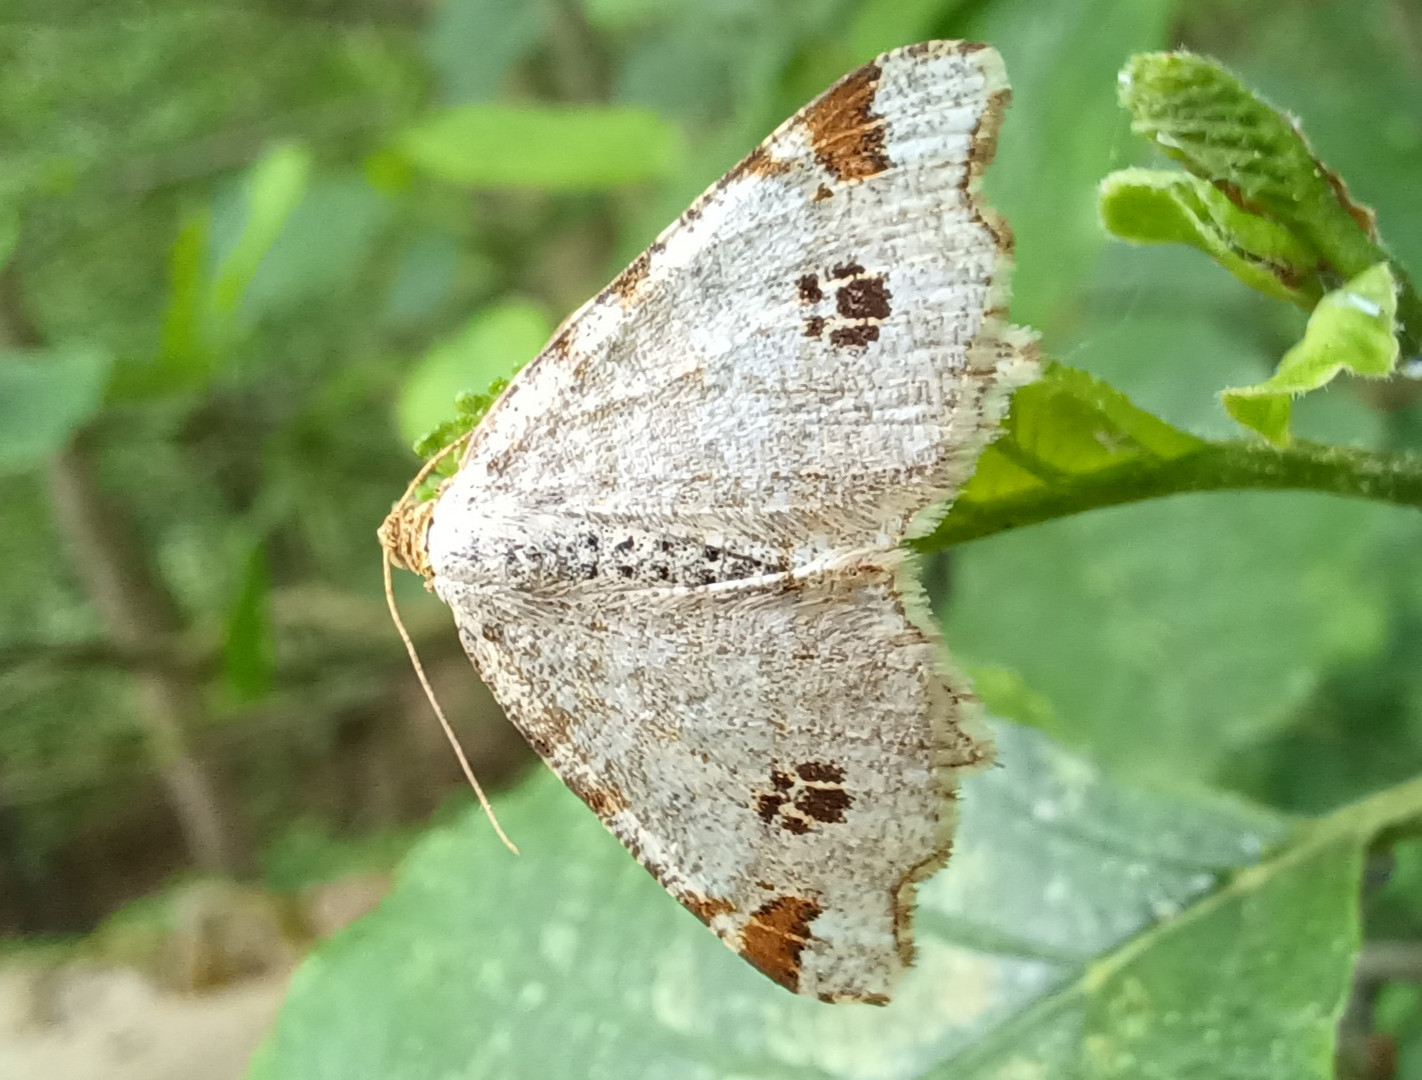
[189, 352]
[200, 324]
[274, 187]
[1082, 929]
[881, 25]
[493, 344]
[1167, 638]
[1351, 329]
[45, 396]
[1204, 117]
[1149, 207]
[1071, 443]
[497, 33]
[184, 355]
[1065, 431]
[469, 409]
[323, 247]
[585, 148]
[248, 648]
[1063, 132]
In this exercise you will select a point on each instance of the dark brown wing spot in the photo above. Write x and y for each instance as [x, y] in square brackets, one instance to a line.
[768, 805]
[809, 289]
[814, 326]
[821, 772]
[847, 136]
[823, 192]
[854, 337]
[776, 935]
[863, 298]
[826, 804]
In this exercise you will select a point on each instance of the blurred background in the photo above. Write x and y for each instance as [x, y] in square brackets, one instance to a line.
[252, 250]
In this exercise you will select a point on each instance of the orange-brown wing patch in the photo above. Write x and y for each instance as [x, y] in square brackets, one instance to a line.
[845, 132]
[707, 908]
[776, 935]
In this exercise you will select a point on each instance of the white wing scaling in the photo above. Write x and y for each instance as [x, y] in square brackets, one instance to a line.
[813, 351]
[763, 747]
[672, 546]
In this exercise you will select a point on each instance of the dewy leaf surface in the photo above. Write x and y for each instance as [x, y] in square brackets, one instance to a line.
[1351, 329]
[1049, 947]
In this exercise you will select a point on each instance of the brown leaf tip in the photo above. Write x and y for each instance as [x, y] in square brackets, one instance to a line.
[775, 936]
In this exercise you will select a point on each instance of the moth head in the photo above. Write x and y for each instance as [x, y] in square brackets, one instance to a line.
[404, 534]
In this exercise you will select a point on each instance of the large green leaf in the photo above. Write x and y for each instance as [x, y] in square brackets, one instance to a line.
[1062, 133]
[473, 43]
[44, 398]
[1082, 929]
[1166, 635]
[584, 148]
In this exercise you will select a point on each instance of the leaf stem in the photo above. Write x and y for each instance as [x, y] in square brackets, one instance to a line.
[1218, 466]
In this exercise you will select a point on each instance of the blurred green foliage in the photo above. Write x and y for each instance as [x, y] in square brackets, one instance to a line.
[255, 249]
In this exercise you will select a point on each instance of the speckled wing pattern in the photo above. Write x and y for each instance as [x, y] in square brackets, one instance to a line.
[672, 547]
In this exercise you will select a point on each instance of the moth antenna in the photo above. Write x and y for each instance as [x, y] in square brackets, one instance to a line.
[439, 712]
[419, 479]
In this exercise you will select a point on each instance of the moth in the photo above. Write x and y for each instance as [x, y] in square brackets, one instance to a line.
[673, 545]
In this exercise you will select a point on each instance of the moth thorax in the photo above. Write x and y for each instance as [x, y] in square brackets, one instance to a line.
[405, 536]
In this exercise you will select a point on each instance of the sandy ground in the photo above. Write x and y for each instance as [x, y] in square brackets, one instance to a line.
[86, 1020]
[95, 1024]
